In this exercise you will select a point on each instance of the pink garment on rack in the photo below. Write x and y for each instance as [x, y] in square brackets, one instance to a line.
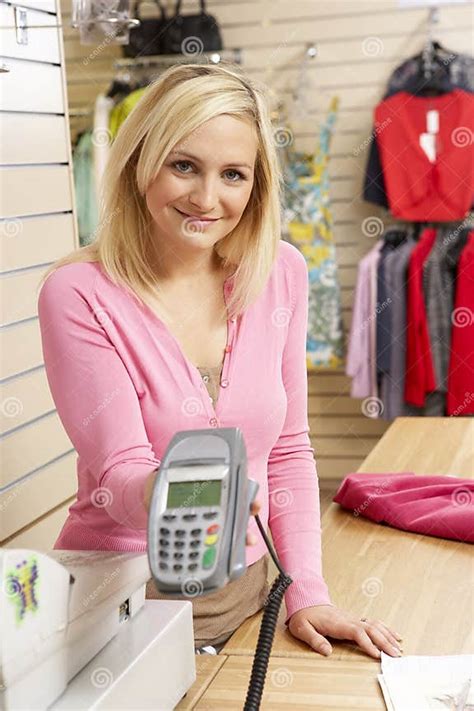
[434, 505]
[361, 353]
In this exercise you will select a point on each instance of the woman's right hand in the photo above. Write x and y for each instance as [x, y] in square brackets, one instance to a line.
[148, 491]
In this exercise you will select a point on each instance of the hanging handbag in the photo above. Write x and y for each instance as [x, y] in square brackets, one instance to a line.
[149, 37]
[192, 34]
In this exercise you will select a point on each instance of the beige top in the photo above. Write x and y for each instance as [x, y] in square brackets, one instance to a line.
[217, 615]
[211, 377]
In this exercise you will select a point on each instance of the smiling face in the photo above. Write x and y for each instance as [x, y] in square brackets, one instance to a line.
[210, 174]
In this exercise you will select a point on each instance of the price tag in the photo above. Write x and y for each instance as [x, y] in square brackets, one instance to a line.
[428, 143]
[432, 121]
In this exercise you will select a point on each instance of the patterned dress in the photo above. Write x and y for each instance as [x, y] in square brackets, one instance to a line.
[308, 225]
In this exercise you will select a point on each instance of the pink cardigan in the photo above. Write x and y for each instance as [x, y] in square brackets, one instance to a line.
[122, 387]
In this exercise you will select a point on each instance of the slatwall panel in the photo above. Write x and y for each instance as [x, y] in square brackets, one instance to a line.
[37, 224]
[359, 43]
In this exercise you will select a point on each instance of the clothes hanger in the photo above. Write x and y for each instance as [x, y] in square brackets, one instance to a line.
[433, 72]
[283, 115]
[433, 79]
[418, 228]
[78, 137]
[123, 83]
[395, 235]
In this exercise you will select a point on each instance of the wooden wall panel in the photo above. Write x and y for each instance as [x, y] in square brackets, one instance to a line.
[42, 534]
[26, 501]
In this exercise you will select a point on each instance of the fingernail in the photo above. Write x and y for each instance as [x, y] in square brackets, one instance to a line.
[326, 650]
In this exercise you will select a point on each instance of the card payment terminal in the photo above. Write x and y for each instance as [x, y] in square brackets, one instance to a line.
[199, 512]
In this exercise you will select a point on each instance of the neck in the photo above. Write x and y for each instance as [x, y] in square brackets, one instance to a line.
[170, 269]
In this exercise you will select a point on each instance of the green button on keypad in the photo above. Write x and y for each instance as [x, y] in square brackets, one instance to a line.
[209, 557]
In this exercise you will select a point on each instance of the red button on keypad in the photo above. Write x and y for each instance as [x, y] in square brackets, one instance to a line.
[212, 529]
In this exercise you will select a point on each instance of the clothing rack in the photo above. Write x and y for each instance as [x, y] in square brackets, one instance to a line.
[166, 60]
[310, 54]
[81, 112]
[280, 112]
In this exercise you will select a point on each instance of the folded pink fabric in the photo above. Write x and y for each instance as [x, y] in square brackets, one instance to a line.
[441, 506]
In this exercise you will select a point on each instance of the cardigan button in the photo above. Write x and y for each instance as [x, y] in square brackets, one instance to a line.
[224, 383]
[213, 422]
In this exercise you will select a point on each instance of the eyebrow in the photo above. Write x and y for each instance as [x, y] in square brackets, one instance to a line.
[189, 155]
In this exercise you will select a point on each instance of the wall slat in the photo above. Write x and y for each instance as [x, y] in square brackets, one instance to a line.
[40, 239]
[42, 532]
[32, 446]
[42, 46]
[24, 146]
[32, 190]
[24, 399]
[44, 81]
[26, 501]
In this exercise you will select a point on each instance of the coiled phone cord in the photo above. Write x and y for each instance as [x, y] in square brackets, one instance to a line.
[267, 630]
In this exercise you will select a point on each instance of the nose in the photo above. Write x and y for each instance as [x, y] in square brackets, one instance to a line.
[203, 195]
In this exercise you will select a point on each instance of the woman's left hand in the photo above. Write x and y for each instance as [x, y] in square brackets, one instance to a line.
[310, 624]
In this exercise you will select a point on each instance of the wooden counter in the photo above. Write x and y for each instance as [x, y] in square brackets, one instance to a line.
[419, 585]
[408, 580]
[297, 685]
[207, 666]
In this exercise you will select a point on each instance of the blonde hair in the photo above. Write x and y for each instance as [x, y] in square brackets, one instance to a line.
[178, 102]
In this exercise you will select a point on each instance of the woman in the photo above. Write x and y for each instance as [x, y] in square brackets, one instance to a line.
[143, 326]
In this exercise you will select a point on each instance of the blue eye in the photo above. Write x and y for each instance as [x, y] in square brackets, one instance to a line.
[237, 172]
[186, 162]
[179, 162]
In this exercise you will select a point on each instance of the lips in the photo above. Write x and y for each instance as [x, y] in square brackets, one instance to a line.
[196, 218]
